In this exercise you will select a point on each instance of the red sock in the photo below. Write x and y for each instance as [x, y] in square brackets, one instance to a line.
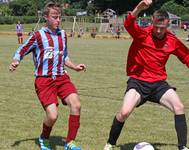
[46, 131]
[74, 123]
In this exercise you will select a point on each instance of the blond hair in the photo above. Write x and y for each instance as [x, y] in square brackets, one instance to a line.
[51, 5]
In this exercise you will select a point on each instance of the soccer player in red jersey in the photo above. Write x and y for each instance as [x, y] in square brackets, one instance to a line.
[50, 54]
[148, 54]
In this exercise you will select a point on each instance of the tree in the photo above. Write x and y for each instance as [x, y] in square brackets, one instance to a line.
[31, 7]
[22, 8]
[186, 3]
[175, 8]
[5, 10]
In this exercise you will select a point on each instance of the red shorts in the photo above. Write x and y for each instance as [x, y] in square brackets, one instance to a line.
[48, 89]
[19, 34]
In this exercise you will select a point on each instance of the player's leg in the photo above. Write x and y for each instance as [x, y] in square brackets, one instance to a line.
[68, 93]
[74, 104]
[18, 38]
[21, 38]
[46, 93]
[48, 122]
[131, 99]
[74, 119]
[171, 100]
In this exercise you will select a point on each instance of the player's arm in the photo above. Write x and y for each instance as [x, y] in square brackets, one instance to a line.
[23, 50]
[76, 67]
[69, 63]
[26, 48]
[143, 5]
[182, 53]
[130, 22]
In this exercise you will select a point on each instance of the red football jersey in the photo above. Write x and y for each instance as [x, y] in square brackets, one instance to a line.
[147, 55]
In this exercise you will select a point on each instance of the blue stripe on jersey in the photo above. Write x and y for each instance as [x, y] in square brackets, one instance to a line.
[45, 42]
[64, 49]
[36, 59]
[55, 54]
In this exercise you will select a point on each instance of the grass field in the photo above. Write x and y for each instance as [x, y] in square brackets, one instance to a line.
[101, 90]
[66, 25]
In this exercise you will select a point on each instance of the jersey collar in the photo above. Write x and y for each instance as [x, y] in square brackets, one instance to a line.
[46, 29]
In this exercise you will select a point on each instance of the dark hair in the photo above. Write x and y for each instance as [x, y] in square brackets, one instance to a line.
[53, 5]
[160, 15]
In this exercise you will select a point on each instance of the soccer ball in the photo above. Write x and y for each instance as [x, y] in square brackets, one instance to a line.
[143, 146]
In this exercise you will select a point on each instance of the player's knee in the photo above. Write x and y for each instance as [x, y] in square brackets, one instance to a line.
[53, 117]
[75, 102]
[179, 108]
[124, 114]
[76, 106]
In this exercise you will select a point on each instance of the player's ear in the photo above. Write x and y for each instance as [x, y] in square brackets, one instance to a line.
[45, 17]
[152, 20]
[168, 24]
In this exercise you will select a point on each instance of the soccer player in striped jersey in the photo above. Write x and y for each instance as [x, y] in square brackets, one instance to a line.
[19, 32]
[148, 54]
[50, 55]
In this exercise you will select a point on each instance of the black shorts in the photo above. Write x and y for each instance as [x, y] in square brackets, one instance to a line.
[147, 90]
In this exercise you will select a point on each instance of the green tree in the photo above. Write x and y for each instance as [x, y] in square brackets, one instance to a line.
[175, 8]
[5, 10]
[31, 7]
[186, 3]
[22, 8]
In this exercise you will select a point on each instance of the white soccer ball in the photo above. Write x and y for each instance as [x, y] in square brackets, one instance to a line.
[143, 146]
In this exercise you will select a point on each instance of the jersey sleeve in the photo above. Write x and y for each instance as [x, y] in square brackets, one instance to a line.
[132, 27]
[182, 53]
[26, 48]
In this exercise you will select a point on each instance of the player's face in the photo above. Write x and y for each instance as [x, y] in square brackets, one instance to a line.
[53, 19]
[159, 28]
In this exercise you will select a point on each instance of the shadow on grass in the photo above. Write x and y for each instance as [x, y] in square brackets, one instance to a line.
[157, 146]
[54, 141]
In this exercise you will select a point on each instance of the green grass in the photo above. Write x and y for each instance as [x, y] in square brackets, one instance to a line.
[12, 28]
[101, 90]
[66, 25]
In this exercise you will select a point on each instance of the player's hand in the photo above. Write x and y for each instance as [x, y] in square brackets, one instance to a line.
[13, 65]
[81, 67]
[144, 4]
